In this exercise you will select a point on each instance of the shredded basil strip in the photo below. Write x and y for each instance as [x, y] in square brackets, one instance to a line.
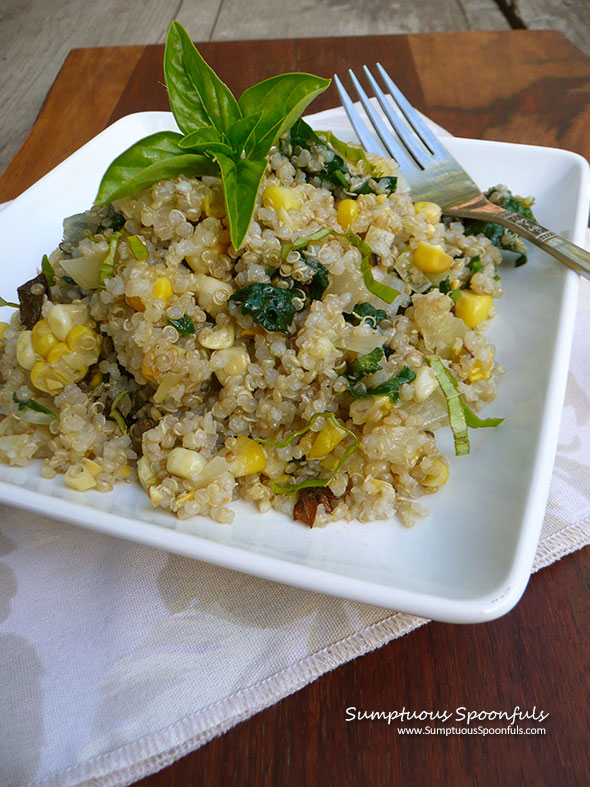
[312, 482]
[383, 291]
[13, 305]
[116, 415]
[138, 248]
[47, 269]
[107, 266]
[184, 325]
[31, 404]
[460, 416]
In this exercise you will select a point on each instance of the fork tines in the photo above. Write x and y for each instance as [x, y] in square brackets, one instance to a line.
[414, 145]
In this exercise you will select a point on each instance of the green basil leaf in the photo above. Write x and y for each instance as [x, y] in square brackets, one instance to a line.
[153, 158]
[281, 101]
[206, 140]
[197, 96]
[241, 182]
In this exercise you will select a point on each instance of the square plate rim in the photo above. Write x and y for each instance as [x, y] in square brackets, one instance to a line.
[482, 608]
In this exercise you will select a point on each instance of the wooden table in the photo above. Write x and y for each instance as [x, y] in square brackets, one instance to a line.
[518, 86]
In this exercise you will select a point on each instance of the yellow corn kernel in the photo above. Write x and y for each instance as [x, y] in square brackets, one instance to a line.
[85, 342]
[246, 457]
[46, 378]
[80, 478]
[431, 210]
[135, 302]
[281, 197]
[93, 467]
[225, 363]
[62, 317]
[481, 370]
[43, 337]
[212, 293]
[472, 307]
[3, 327]
[347, 212]
[162, 288]
[145, 473]
[326, 440]
[58, 349]
[148, 370]
[436, 480]
[185, 463]
[431, 259]
[217, 338]
[25, 352]
[455, 284]
[329, 463]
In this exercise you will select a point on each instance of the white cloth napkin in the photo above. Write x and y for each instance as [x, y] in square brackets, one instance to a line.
[117, 659]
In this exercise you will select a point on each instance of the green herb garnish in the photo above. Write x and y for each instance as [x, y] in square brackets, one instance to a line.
[367, 312]
[184, 325]
[106, 269]
[460, 416]
[319, 282]
[365, 364]
[389, 388]
[4, 302]
[312, 482]
[383, 185]
[270, 306]
[31, 404]
[383, 291]
[138, 248]
[219, 133]
[116, 415]
[47, 269]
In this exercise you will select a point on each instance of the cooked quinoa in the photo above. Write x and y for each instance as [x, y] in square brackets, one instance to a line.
[164, 373]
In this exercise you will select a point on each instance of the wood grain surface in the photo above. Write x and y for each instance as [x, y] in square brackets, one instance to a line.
[518, 86]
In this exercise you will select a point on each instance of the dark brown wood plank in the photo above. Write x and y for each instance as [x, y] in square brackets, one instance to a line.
[536, 655]
[77, 107]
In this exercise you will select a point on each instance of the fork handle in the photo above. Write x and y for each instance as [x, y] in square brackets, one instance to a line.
[564, 250]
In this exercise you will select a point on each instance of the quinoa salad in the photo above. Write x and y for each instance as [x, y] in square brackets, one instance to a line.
[305, 369]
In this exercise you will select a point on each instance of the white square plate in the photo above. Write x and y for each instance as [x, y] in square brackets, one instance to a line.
[470, 560]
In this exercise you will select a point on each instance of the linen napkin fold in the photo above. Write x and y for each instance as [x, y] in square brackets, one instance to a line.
[118, 659]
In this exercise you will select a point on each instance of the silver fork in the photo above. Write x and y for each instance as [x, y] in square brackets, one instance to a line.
[434, 175]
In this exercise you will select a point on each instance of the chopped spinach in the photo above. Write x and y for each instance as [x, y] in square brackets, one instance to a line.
[335, 171]
[389, 388]
[365, 364]
[31, 404]
[475, 264]
[365, 311]
[319, 282]
[270, 306]
[184, 325]
[380, 185]
[495, 232]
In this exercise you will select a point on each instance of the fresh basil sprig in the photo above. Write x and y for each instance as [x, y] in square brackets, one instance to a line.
[220, 134]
